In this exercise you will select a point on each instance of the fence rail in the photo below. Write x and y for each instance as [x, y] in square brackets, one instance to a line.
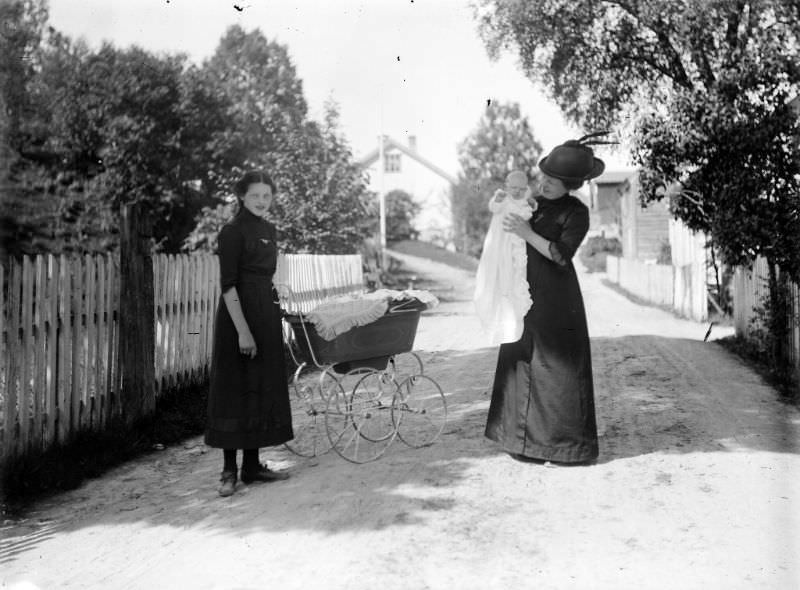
[60, 341]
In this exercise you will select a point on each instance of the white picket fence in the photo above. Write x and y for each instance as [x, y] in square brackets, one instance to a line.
[60, 344]
[750, 290]
[306, 280]
[683, 288]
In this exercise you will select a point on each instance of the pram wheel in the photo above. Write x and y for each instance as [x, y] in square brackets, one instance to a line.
[404, 364]
[308, 409]
[359, 422]
[419, 411]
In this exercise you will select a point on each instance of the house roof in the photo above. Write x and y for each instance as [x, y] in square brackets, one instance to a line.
[614, 176]
[388, 143]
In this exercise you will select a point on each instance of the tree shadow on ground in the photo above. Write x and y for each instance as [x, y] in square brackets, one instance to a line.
[657, 394]
[177, 488]
[653, 395]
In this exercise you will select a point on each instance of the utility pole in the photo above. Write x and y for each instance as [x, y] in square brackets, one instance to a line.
[382, 201]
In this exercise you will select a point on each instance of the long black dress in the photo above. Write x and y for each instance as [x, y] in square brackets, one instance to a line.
[248, 399]
[543, 396]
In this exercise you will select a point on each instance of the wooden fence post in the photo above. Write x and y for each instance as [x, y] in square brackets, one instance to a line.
[136, 322]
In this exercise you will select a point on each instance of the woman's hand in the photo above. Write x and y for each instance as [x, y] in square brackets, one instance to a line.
[532, 202]
[247, 345]
[517, 225]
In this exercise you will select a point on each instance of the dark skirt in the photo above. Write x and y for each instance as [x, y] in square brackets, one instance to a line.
[248, 399]
[543, 396]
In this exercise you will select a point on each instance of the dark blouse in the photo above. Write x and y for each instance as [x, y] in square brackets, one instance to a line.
[247, 247]
[563, 221]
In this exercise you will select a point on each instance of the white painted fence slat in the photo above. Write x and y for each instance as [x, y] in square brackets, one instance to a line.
[51, 406]
[24, 402]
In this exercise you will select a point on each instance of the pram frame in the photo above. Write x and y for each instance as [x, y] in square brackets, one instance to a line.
[354, 405]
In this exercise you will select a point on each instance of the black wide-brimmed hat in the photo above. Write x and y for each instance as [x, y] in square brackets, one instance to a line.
[574, 160]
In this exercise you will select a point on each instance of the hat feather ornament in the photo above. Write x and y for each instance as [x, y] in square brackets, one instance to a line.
[574, 160]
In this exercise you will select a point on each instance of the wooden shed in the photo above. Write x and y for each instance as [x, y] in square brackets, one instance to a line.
[644, 229]
[605, 191]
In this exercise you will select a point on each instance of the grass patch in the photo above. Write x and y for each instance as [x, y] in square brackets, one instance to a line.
[435, 253]
[399, 277]
[713, 318]
[636, 299]
[784, 379]
[179, 414]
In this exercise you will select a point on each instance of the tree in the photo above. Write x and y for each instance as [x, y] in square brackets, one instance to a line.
[325, 208]
[258, 83]
[22, 24]
[502, 141]
[131, 107]
[41, 204]
[321, 203]
[401, 209]
[701, 87]
[101, 129]
[92, 131]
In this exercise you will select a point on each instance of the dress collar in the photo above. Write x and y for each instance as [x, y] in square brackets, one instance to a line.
[246, 215]
[549, 202]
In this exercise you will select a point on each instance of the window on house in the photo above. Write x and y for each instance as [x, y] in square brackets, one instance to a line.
[391, 163]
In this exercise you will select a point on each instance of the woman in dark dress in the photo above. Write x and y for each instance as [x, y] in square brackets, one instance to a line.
[248, 399]
[542, 406]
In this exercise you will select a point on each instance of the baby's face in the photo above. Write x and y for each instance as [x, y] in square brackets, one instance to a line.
[516, 188]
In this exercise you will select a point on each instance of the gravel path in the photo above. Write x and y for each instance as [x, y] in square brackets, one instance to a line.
[698, 486]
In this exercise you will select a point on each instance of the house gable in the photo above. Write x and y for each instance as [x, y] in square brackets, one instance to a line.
[390, 146]
[430, 186]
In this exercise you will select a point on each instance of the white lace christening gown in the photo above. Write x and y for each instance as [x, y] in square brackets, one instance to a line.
[501, 296]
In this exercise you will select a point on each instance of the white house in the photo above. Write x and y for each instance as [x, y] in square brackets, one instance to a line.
[404, 168]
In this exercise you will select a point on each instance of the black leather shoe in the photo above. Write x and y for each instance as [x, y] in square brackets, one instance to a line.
[227, 483]
[263, 473]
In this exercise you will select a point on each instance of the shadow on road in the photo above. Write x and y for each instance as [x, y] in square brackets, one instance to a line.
[327, 494]
[653, 395]
[674, 395]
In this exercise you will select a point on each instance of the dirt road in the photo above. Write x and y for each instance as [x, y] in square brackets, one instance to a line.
[698, 486]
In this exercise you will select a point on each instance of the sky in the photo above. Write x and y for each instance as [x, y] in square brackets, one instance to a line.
[395, 67]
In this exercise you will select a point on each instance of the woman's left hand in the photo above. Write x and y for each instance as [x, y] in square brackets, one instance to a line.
[517, 225]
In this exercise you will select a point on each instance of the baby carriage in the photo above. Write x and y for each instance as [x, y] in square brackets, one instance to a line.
[358, 390]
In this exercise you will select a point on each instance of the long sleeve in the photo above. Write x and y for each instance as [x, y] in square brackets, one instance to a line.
[231, 243]
[574, 230]
[497, 206]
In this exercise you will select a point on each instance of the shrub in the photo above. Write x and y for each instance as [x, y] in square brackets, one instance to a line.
[595, 250]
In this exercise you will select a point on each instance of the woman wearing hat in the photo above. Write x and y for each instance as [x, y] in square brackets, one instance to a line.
[542, 406]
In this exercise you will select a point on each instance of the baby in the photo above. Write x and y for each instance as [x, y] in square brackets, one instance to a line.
[502, 297]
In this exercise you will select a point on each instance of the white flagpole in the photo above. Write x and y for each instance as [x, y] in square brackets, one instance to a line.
[382, 201]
